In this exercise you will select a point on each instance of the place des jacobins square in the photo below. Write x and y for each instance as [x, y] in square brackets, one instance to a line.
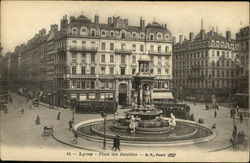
[93, 82]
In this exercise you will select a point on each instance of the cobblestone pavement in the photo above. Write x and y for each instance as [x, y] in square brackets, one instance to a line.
[20, 133]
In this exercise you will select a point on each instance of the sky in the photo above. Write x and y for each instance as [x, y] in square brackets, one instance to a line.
[21, 20]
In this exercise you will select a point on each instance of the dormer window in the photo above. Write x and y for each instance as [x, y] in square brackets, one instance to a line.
[74, 31]
[103, 33]
[166, 36]
[151, 36]
[134, 35]
[142, 36]
[123, 35]
[111, 34]
[159, 36]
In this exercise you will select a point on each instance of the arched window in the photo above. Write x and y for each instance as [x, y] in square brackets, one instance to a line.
[74, 31]
[142, 36]
[111, 34]
[151, 37]
[123, 35]
[166, 49]
[159, 70]
[159, 36]
[134, 35]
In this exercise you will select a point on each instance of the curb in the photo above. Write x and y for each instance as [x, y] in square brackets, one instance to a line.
[221, 149]
[75, 146]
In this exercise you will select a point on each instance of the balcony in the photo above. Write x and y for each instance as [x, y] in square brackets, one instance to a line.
[196, 66]
[83, 49]
[74, 76]
[123, 51]
[152, 52]
[196, 76]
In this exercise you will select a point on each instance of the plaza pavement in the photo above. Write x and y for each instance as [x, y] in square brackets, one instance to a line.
[19, 131]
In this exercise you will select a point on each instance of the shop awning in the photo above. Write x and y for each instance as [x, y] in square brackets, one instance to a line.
[162, 95]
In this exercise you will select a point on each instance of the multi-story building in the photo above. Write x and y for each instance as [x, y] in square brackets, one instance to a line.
[97, 61]
[242, 94]
[4, 75]
[205, 65]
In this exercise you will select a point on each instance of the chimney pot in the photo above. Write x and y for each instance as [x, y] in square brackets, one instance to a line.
[181, 39]
[191, 36]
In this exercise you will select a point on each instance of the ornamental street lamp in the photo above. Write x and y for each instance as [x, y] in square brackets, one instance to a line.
[104, 116]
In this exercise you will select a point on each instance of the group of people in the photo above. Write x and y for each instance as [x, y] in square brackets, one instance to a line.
[237, 139]
[211, 106]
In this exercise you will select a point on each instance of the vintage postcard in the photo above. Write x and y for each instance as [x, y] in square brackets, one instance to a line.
[124, 81]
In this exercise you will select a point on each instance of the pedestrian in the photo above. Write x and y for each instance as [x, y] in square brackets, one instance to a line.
[215, 114]
[22, 110]
[58, 115]
[214, 127]
[118, 142]
[74, 141]
[70, 124]
[37, 120]
[114, 143]
[231, 113]
[241, 118]
[237, 109]
[27, 100]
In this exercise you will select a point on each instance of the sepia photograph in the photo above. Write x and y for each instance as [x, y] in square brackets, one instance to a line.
[123, 81]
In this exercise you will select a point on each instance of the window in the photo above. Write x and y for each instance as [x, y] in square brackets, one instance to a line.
[73, 55]
[227, 63]
[92, 33]
[151, 47]
[74, 31]
[111, 34]
[134, 47]
[134, 35]
[218, 63]
[123, 35]
[122, 58]
[92, 70]
[223, 63]
[134, 59]
[74, 70]
[111, 58]
[159, 49]
[218, 73]
[151, 37]
[92, 57]
[111, 46]
[213, 63]
[166, 71]
[103, 46]
[141, 48]
[122, 71]
[78, 84]
[92, 85]
[218, 53]
[83, 57]
[166, 49]
[142, 36]
[83, 84]
[103, 58]
[83, 70]
[213, 53]
[159, 60]
[83, 44]
[123, 46]
[111, 70]
[102, 70]
[159, 71]
[74, 44]
[103, 33]
[133, 71]
[222, 73]
[212, 73]
[93, 44]
[159, 36]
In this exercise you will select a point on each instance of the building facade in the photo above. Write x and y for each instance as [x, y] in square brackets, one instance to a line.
[205, 66]
[242, 95]
[88, 60]
[97, 61]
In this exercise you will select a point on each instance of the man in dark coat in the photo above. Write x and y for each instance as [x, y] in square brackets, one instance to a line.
[58, 116]
[215, 114]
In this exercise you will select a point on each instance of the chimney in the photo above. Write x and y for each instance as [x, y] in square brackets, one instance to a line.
[202, 32]
[109, 20]
[212, 32]
[180, 39]
[165, 26]
[191, 37]
[96, 19]
[126, 23]
[142, 24]
[174, 40]
[228, 36]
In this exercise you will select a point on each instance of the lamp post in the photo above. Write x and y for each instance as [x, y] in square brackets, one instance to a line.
[73, 105]
[104, 116]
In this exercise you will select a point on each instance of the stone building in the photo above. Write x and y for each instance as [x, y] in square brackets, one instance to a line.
[242, 95]
[205, 65]
[97, 61]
